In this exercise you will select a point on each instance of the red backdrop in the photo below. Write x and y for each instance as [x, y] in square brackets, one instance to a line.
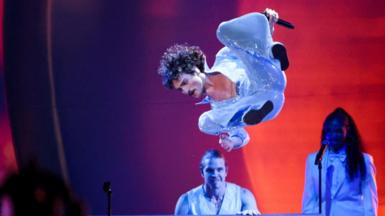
[337, 59]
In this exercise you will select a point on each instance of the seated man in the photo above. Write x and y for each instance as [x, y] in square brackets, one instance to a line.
[246, 84]
[216, 196]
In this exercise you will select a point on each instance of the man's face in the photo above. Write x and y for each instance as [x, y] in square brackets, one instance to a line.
[335, 133]
[190, 84]
[214, 172]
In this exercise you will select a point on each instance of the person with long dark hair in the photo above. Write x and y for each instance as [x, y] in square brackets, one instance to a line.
[348, 174]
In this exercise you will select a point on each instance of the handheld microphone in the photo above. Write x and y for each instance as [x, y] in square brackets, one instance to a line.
[285, 23]
[107, 187]
[282, 22]
[318, 157]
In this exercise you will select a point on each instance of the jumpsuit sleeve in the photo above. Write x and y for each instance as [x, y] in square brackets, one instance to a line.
[310, 194]
[369, 188]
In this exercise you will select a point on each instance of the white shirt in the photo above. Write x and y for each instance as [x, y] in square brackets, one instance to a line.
[199, 204]
[340, 196]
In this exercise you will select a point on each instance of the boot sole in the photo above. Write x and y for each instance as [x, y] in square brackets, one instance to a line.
[279, 52]
[254, 116]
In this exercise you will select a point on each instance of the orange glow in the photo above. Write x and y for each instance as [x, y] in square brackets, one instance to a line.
[336, 60]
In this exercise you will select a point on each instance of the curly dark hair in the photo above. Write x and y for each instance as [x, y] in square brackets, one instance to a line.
[354, 156]
[180, 59]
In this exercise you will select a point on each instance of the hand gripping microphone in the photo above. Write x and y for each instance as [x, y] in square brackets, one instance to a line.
[282, 22]
[321, 151]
